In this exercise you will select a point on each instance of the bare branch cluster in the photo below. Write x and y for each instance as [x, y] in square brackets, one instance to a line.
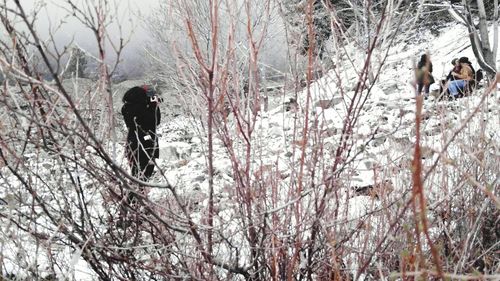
[294, 208]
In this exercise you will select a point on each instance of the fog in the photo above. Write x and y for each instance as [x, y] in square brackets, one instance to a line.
[126, 19]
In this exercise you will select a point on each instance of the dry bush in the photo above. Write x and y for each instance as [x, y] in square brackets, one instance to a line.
[292, 210]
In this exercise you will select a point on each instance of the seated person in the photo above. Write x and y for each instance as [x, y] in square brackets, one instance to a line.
[456, 87]
[443, 83]
[456, 69]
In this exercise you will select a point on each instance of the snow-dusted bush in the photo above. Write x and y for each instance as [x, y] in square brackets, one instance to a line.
[348, 176]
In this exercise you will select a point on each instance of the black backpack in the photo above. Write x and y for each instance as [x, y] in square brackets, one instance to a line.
[479, 75]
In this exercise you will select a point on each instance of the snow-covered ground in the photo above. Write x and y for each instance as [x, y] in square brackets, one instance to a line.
[383, 143]
[389, 111]
[384, 135]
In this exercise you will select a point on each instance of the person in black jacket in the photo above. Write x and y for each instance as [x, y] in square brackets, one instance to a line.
[141, 114]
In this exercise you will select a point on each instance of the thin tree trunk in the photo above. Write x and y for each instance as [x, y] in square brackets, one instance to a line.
[495, 30]
[485, 39]
[480, 40]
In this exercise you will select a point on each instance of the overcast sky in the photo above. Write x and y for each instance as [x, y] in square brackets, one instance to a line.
[54, 18]
[131, 15]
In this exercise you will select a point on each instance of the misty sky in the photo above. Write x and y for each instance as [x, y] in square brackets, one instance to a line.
[53, 18]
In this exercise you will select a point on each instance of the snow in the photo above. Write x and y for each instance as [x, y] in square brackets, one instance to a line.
[389, 117]
[390, 109]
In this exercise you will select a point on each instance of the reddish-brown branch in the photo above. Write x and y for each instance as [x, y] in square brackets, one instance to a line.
[418, 197]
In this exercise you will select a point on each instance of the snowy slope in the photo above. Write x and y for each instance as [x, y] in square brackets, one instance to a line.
[390, 108]
[384, 136]
[382, 148]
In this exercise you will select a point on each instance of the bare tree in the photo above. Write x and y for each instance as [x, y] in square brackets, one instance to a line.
[289, 210]
[485, 48]
[48, 135]
[76, 65]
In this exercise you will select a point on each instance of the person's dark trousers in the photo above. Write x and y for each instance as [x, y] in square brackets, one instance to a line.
[142, 168]
[422, 87]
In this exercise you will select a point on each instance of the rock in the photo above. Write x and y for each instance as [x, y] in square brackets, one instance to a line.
[330, 103]
[375, 190]
[390, 87]
[194, 198]
[175, 151]
[291, 105]
[324, 104]
[369, 164]
[329, 132]
[426, 152]
[432, 131]
[378, 140]
[275, 131]
[199, 178]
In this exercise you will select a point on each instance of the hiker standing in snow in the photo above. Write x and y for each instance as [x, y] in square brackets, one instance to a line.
[456, 87]
[424, 75]
[141, 114]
